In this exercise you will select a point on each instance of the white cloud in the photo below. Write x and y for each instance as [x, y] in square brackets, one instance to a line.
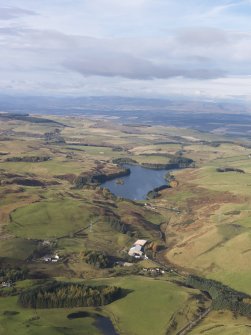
[9, 13]
[152, 46]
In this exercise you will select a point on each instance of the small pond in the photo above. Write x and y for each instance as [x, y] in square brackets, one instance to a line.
[137, 184]
[105, 325]
[102, 323]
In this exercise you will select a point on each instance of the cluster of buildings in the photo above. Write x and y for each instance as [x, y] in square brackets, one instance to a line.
[154, 271]
[138, 249]
[149, 206]
[50, 258]
[7, 283]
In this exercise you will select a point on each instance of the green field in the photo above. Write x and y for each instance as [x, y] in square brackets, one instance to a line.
[147, 309]
[217, 242]
[150, 306]
[49, 168]
[40, 322]
[17, 248]
[50, 219]
[219, 323]
[202, 225]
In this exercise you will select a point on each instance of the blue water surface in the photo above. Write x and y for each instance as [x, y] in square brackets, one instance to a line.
[138, 183]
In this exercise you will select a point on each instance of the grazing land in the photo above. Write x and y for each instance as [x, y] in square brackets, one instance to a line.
[52, 204]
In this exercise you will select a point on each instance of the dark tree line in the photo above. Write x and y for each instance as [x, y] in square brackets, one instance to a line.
[124, 160]
[68, 295]
[223, 296]
[29, 159]
[175, 162]
[182, 162]
[98, 178]
[229, 169]
[117, 225]
[154, 193]
[13, 274]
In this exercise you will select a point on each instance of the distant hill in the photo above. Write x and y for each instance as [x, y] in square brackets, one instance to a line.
[219, 117]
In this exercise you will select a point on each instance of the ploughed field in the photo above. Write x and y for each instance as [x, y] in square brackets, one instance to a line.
[51, 203]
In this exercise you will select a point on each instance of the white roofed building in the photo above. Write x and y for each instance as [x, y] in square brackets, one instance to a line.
[137, 250]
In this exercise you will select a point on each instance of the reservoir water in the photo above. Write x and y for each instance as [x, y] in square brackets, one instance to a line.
[137, 184]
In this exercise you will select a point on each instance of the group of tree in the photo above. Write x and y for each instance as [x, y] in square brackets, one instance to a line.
[97, 178]
[68, 295]
[43, 249]
[54, 136]
[223, 297]
[99, 259]
[29, 159]
[13, 274]
[181, 162]
[229, 169]
[124, 160]
[155, 192]
[117, 224]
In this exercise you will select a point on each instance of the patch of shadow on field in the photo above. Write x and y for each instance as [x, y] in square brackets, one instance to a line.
[104, 324]
[211, 328]
[228, 231]
[84, 314]
[10, 313]
[39, 275]
[245, 252]
[80, 314]
[219, 244]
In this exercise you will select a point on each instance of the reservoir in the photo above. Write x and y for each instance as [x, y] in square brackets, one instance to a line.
[137, 184]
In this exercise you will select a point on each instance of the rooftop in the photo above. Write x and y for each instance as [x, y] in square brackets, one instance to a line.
[140, 242]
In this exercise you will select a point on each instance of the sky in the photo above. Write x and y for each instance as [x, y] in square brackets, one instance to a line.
[145, 48]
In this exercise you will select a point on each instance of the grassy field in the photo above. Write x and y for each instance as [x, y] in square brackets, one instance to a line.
[40, 322]
[50, 219]
[140, 313]
[219, 323]
[236, 183]
[216, 242]
[137, 313]
[204, 221]
[16, 248]
[51, 168]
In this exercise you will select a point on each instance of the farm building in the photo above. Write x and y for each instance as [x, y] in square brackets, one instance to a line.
[51, 258]
[137, 250]
[6, 284]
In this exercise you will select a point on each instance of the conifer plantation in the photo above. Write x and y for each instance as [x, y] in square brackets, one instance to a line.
[62, 294]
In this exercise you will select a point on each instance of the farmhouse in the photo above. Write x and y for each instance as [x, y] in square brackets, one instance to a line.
[137, 250]
[6, 284]
[51, 258]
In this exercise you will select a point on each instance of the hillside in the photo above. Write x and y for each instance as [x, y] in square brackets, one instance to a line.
[52, 204]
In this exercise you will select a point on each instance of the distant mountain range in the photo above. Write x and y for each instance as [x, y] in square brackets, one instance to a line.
[219, 117]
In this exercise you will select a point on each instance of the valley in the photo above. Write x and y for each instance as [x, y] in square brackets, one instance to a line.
[53, 203]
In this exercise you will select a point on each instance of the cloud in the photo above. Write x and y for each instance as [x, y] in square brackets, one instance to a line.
[9, 13]
[217, 10]
[128, 66]
[182, 55]
[203, 36]
[202, 53]
[134, 43]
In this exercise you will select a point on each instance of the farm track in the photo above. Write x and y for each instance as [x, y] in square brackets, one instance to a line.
[191, 325]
